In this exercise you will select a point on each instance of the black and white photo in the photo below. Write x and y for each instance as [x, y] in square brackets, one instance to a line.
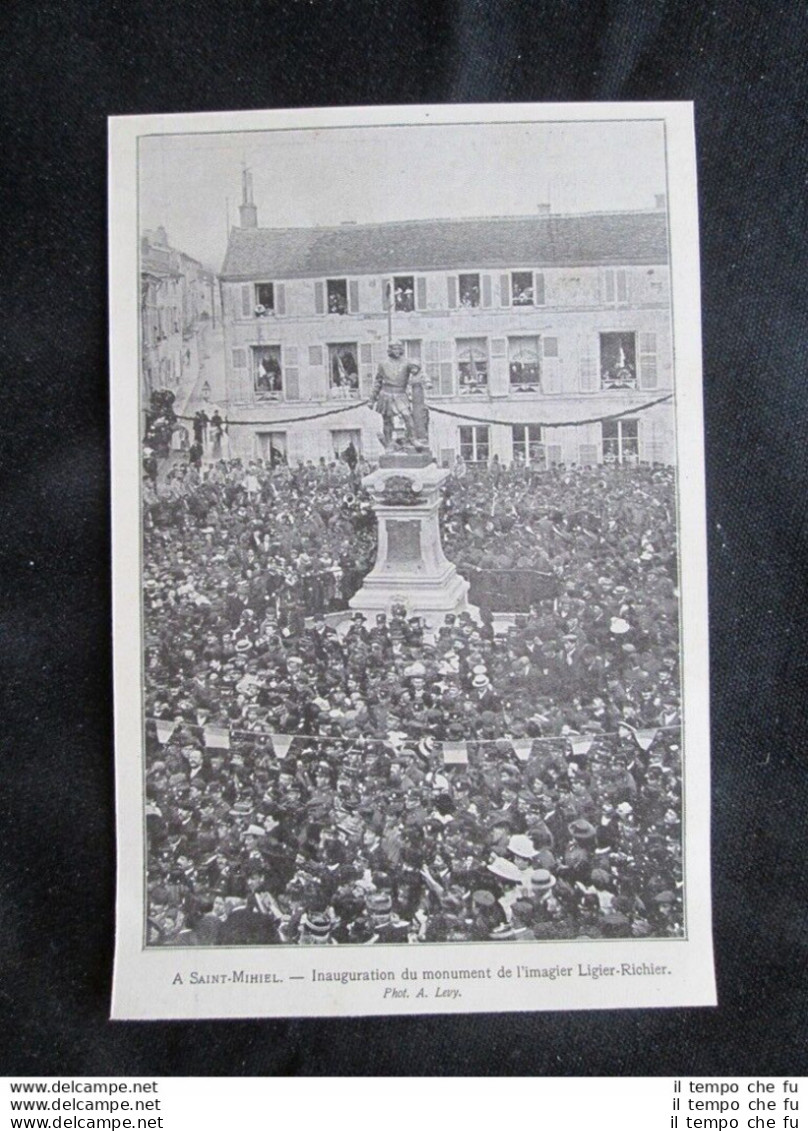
[409, 562]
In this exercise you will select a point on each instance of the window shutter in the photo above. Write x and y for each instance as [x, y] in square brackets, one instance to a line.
[451, 291]
[239, 358]
[280, 298]
[587, 455]
[366, 373]
[420, 293]
[446, 369]
[648, 361]
[498, 383]
[608, 281]
[246, 301]
[291, 380]
[315, 355]
[551, 367]
[622, 285]
[319, 298]
[486, 287]
[504, 290]
[538, 289]
[353, 296]
[387, 293]
[588, 381]
[555, 455]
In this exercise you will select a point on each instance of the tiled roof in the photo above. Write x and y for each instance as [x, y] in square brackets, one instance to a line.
[612, 238]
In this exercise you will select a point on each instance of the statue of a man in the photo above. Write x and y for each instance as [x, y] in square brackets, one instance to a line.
[396, 378]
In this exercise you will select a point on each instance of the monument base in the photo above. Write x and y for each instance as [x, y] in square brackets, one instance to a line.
[406, 459]
[411, 568]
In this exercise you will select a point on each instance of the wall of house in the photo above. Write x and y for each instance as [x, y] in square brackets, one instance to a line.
[572, 308]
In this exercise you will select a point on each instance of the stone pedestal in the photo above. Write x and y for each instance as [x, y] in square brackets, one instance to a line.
[411, 568]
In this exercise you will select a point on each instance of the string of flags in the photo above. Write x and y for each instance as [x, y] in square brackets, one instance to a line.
[455, 753]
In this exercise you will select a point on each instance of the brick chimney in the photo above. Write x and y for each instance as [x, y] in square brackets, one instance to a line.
[248, 213]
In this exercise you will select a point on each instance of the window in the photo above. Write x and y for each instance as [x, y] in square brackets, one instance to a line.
[522, 288]
[343, 371]
[404, 292]
[472, 365]
[264, 298]
[528, 444]
[469, 289]
[267, 373]
[615, 281]
[272, 447]
[337, 296]
[621, 442]
[618, 361]
[412, 350]
[523, 364]
[347, 445]
[439, 369]
[474, 443]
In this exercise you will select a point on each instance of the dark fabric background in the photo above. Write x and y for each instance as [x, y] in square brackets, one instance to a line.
[68, 65]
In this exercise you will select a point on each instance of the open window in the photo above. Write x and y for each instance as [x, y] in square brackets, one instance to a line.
[404, 293]
[524, 366]
[272, 447]
[472, 365]
[468, 287]
[618, 361]
[264, 298]
[343, 370]
[522, 293]
[337, 296]
[267, 373]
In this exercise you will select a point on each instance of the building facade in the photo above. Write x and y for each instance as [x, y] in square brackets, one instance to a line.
[530, 329]
[179, 301]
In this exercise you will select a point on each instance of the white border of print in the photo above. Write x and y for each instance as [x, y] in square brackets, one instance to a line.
[279, 981]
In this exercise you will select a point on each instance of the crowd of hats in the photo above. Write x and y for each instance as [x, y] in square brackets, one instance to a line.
[366, 833]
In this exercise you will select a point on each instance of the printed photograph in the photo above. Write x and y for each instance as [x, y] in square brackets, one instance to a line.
[409, 547]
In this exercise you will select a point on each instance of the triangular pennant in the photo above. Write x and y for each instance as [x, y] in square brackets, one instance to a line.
[455, 754]
[165, 729]
[281, 744]
[523, 748]
[645, 738]
[217, 737]
[581, 744]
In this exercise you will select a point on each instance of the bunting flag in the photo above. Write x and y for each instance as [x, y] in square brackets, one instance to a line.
[581, 744]
[455, 754]
[281, 744]
[523, 748]
[165, 729]
[644, 738]
[217, 737]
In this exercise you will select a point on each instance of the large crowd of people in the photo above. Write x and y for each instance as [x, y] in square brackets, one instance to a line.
[397, 781]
